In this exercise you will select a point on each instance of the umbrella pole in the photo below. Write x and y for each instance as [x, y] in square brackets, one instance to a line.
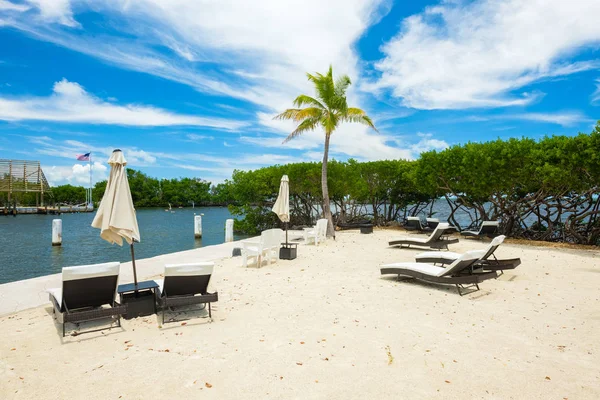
[134, 271]
[286, 234]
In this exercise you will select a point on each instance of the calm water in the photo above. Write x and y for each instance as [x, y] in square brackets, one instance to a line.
[26, 251]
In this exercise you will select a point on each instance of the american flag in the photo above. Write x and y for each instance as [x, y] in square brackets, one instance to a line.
[83, 157]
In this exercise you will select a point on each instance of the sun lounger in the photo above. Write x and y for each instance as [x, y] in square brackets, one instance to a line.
[488, 228]
[437, 240]
[316, 233]
[459, 273]
[184, 285]
[485, 263]
[414, 224]
[432, 223]
[86, 292]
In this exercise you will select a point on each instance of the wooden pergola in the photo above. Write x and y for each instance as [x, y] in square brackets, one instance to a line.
[22, 176]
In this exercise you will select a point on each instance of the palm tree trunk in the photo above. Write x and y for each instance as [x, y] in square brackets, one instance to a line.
[326, 202]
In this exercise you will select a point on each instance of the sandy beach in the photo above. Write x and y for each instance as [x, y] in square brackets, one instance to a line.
[328, 326]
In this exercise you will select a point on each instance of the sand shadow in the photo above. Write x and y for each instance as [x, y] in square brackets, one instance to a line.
[416, 282]
[185, 314]
[91, 329]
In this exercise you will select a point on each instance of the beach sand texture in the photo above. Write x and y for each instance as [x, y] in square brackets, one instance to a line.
[328, 326]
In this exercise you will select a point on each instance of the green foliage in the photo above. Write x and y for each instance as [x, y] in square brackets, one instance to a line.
[546, 189]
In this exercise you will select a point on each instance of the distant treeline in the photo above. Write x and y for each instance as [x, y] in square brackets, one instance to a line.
[544, 190]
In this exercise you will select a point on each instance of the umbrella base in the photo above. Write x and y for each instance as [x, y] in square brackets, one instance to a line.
[289, 251]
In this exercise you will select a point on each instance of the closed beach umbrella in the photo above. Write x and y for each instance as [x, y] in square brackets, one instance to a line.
[282, 204]
[116, 216]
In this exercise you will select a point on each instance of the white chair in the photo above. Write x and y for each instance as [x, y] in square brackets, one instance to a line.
[317, 232]
[267, 247]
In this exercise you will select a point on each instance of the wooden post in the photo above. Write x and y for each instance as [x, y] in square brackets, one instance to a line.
[198, 226]
[229, 230]
[57, 232]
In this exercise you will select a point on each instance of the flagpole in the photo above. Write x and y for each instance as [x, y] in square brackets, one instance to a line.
[91, 166]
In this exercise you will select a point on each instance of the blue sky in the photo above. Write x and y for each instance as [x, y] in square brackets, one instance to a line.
[189, 88]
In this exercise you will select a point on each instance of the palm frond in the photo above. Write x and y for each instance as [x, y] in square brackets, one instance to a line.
[290, 113]
[299, 114]
[309, 124]
[324, 87]
[358, 115]
[341, 85]
[307, 100]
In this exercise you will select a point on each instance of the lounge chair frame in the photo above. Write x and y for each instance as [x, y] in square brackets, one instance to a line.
[487, 228]
[488, 262]
[472, 279]
[439, 239]
[82, 299]
[185, 290]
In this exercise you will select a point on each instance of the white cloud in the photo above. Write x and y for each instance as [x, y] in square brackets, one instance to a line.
[569, 118]
[139, 157]
[257, 62]
[69, 102]
[55, 11]
[427, 143]
[8, 6]
[595, 98]
[77, 174]
[477, 54]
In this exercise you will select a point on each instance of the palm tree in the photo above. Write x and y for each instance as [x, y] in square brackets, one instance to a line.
[327, 111]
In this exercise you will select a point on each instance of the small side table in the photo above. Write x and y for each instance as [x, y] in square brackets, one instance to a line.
[288, 251]
[366, 228]
[140, 303]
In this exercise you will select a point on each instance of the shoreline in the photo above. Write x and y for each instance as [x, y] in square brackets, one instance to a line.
[33, 290]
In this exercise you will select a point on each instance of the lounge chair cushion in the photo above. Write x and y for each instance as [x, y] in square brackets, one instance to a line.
[427, 269]
[57, 294]
[432, 270]
[447, 256]
[192, 269]
[90, 271]
[411, 238]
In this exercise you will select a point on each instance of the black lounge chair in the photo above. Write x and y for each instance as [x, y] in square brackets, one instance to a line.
[184, 285]
[85, 290]
[488, 228]
[414, 224]
[432, 223]
[485, 263]
[437, 240]
[459, 273]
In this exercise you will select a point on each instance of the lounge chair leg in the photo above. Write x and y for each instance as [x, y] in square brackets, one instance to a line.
[209, 312]
[63, 326]
[458, 289]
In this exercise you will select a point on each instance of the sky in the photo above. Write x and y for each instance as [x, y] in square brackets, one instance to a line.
[190, 88]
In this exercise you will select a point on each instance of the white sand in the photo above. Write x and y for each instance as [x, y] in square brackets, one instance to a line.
[328, 326]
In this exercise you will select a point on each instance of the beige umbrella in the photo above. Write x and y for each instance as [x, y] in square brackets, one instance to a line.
[116, 216]
[282, 204]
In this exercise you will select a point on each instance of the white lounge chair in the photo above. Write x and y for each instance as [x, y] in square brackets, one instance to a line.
[316, 233]
[267, 247]
[486, 263]
[184, 285]
[459, 273]
[437, 240]
[85, 290]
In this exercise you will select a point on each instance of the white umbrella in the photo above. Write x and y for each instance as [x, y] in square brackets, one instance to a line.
[116, 216]
[282, 204]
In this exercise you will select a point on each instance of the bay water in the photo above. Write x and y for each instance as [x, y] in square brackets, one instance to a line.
[26, 249]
